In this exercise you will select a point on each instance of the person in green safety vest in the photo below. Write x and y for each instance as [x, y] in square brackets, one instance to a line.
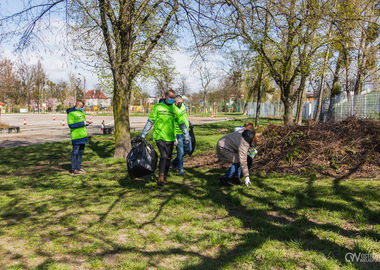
[76, 119]
[163, 117]
[183, 148]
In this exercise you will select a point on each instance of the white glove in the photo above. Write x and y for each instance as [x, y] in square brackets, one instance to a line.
[247, 182]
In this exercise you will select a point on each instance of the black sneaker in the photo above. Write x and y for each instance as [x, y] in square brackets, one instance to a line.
[235, 181]
[223, 181]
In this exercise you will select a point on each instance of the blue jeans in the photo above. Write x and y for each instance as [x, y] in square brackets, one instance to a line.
[234, 171]
[76, 156]
[182, 149]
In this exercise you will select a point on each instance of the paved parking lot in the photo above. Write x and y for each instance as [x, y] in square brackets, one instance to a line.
[41, 128]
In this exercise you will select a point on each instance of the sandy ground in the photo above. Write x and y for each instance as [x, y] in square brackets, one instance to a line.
[41, 128]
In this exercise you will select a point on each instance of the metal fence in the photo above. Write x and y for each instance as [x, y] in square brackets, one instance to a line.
[215, 107]
[266, 109]
[340, 107]
[364, 106]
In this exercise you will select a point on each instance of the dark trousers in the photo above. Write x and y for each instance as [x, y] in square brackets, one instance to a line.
[76, 156]
[166, 151]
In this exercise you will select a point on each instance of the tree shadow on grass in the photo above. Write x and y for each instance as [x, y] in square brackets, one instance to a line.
[23, 159]
[286, 227]
[103, 148]
[272, 222]
[293, 227]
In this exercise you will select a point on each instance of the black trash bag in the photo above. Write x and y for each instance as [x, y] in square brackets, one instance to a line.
[192, 138]
[142, 159]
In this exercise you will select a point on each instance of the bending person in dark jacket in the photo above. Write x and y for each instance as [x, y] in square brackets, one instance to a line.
[76, 120]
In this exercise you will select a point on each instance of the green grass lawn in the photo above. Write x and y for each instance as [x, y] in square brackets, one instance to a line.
[104, 220]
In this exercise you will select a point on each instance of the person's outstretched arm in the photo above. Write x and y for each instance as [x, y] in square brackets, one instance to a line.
[149, 124]
[243, 151]
[185, 131]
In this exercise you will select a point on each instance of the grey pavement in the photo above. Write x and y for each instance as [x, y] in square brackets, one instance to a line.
[42, 128]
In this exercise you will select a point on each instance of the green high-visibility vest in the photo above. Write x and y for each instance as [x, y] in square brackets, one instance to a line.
[77, 117]
[182, 118]
[164, 117]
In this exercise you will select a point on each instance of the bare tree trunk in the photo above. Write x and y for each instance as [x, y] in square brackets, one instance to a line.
[121, 118]
[320, 95]
[363, 54]
[261, 71]
[360, 63]
[259, 93]
[300, 96]
[334, 87]
[288, 102]
[288, 113]
[348, 91]
[204, 102]
[245, 108]
[322, 86]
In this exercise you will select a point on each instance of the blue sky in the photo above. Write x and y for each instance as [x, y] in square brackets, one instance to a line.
[58, 64]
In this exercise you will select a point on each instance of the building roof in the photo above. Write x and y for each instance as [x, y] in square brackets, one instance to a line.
[95, 94]
[311, 96]
[2, 104]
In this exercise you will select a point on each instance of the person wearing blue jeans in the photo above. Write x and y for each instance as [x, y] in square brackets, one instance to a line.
[76, 157]
[76, 120]
[234, 148]
[234, 171]
[182, 149]
[183, 146]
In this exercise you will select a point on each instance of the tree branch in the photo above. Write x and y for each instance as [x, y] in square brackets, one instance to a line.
[145, 19]
[153, 42]
[106, 34]
[84, 7]
[29, 29]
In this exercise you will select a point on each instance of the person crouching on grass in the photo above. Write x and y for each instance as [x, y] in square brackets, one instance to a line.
[76, 119]
[236, 148]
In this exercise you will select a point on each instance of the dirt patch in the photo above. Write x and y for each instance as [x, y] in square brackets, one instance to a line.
[350, 148]
[207, 160]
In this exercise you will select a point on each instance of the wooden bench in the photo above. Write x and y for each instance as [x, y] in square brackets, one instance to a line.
[10, 129]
